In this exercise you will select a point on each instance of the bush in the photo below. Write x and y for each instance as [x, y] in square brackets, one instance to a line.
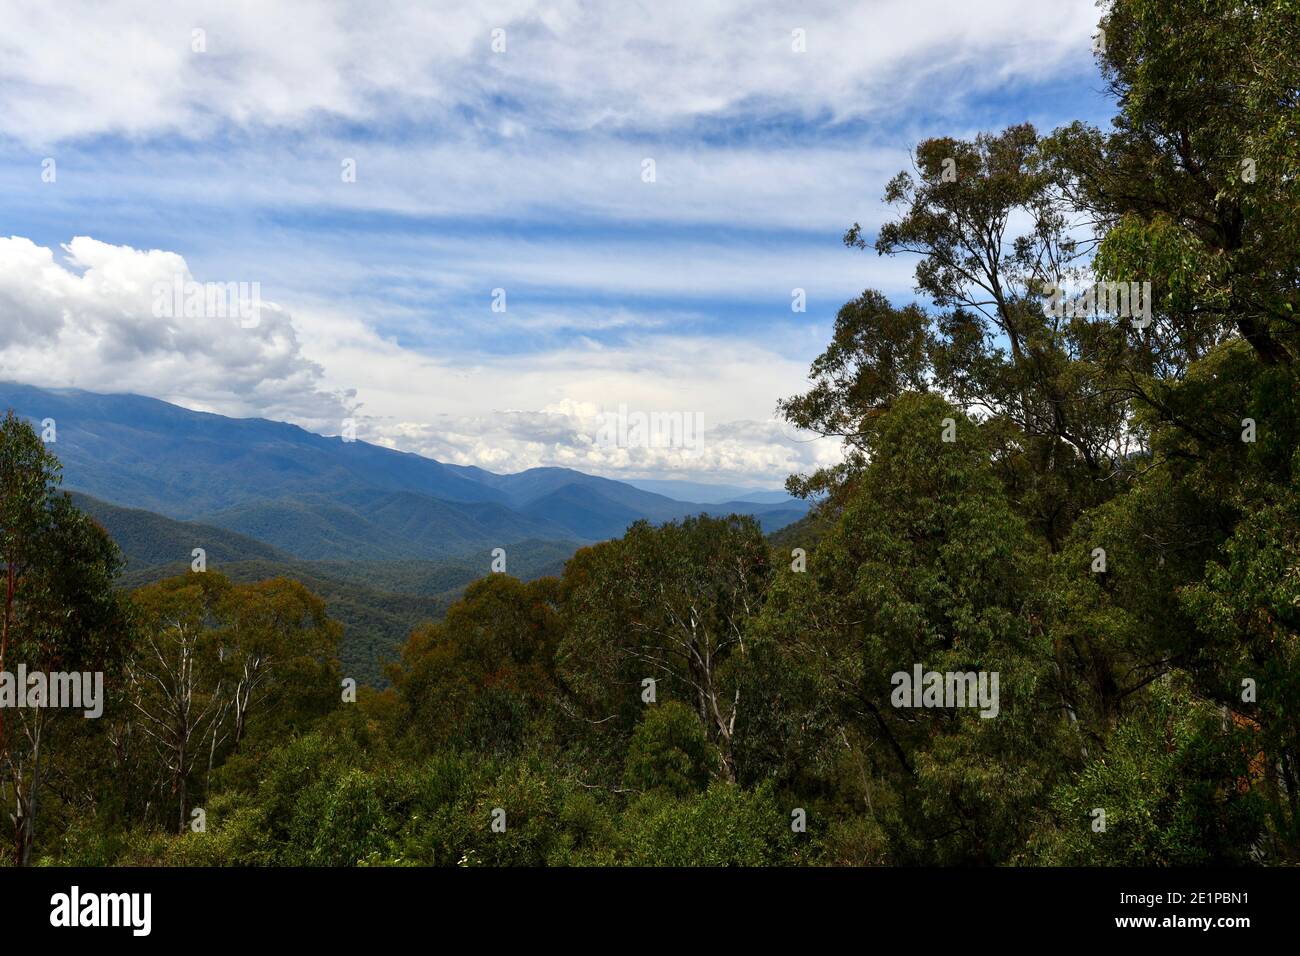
[668, 752]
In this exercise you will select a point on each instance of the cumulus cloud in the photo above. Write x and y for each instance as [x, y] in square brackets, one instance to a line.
[95, 320]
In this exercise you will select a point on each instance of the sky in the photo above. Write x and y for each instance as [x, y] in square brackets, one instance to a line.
[483, 231]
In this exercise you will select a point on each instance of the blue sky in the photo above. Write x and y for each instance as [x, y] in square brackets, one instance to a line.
[516, 169]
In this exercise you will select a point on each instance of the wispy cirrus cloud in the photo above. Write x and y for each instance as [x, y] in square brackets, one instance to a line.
[81, 69]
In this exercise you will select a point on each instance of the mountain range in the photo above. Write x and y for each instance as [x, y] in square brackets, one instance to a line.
[316, 498]
[388, 539]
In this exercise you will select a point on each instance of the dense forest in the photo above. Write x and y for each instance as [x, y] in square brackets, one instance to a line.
[1072, 464]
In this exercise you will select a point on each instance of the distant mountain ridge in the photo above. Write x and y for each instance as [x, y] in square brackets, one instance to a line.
[317, 498]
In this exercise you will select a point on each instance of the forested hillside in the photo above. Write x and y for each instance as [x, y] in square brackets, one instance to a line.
[377, 602]
[1092, 511]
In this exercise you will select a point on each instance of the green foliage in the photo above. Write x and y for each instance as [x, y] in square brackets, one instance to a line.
[60, 614]
[1174, 788]
[930, 565]
[667, 604]
[668, 752]
[482, 674]
[724, 826]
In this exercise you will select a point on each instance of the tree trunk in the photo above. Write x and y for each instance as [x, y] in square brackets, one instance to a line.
[29, 820]
[180, 786]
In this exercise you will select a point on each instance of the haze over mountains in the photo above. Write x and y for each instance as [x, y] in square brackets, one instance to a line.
[709, 494]
[317, 498]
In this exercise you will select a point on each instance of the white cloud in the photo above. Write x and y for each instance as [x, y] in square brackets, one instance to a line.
[76, 69]
[508, 413]
[90, 322]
